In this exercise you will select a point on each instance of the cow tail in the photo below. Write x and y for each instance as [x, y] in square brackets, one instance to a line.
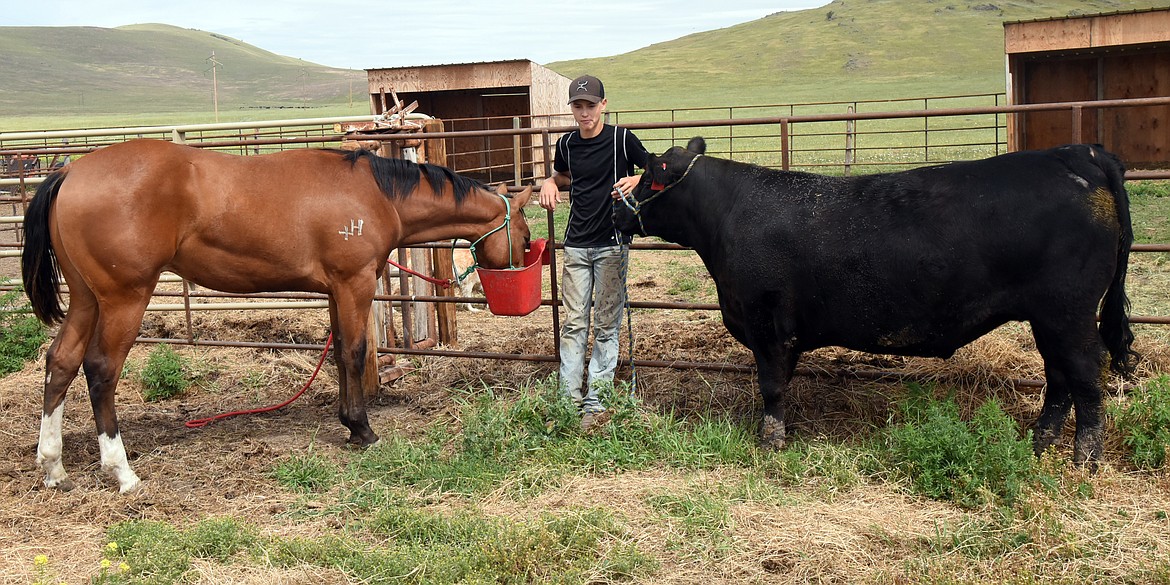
[38, 262]
[1114, 328]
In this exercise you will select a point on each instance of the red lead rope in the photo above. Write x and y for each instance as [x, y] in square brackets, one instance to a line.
[199, 423]
[443, 283]
[202, 422]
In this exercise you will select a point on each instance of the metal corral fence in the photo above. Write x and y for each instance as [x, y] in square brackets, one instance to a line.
[837, 146]
[856, 137]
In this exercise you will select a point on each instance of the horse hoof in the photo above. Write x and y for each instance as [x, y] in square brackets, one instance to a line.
[772, 433]
[65, 485]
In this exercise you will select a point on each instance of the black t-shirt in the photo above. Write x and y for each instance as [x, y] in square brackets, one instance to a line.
[594, 165]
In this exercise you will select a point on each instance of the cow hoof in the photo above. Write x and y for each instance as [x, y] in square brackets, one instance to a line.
[772, 433]
[362, 441]
[1042, 439]
[1087, 451]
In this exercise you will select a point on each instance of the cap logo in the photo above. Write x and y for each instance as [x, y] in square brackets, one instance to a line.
[583, 85]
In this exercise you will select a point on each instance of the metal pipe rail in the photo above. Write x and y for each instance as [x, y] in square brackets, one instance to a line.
[785, 123]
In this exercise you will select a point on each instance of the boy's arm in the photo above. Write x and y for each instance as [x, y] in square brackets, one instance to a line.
[637, 155]
[550, 190]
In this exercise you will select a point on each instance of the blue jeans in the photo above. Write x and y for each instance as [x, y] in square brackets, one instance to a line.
[593, 283]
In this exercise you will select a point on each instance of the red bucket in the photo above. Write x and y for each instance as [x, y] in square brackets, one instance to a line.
[515, 291]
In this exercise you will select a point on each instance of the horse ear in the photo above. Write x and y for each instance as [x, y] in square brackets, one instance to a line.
[521, 199]
[697, 145]
[502, 189]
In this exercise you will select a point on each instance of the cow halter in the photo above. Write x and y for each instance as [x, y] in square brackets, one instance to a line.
[636, 206]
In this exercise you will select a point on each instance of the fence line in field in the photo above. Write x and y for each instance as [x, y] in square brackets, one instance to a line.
[800, 141]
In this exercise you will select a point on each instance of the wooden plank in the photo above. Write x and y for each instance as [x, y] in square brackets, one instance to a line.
[1131, 29]
[455, 76]
[1049, 35]
[1108, 30]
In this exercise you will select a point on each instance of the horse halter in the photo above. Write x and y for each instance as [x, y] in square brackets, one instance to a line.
[506, 226]
[636, 206]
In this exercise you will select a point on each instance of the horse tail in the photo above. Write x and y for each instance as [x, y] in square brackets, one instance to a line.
[1114, 328]
[38, 262]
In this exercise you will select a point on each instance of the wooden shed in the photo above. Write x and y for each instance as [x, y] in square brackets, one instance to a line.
[481, 96]
[1092, 57]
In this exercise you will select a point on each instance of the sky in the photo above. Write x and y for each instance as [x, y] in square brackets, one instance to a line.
[368, 34]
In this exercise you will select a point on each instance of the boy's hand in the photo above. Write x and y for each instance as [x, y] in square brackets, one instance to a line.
[550, 195]
[625, 186]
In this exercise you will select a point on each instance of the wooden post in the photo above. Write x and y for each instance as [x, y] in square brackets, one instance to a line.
[785, 147]
[446, 322]
[420, 262]
[1078, 121]
[404, 287]
[381, 328]
[434, 151]
[850, 137]
[517, 155]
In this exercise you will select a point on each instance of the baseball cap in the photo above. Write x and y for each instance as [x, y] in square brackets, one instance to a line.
[586, 87]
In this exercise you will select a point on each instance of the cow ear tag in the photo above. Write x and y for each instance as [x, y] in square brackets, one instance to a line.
[655, 185]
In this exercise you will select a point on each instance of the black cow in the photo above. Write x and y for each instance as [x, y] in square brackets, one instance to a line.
[919, 262]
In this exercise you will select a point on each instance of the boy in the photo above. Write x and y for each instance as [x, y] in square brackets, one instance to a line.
[593, 161]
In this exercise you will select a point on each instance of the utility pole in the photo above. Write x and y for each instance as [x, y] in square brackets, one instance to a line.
[304, 90]
[215, 84]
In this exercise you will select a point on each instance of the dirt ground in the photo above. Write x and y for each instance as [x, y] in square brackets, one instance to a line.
[190, 474]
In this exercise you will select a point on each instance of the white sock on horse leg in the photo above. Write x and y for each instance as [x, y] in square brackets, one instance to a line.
[114, 461]
[49, 447]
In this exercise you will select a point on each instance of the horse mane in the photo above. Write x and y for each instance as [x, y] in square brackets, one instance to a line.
[398, 178]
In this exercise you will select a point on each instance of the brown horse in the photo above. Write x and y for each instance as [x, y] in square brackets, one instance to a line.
[304, 220]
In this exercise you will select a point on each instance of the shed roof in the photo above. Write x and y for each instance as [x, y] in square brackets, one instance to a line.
[1089, 31]
[1076, 16]
[462, 76]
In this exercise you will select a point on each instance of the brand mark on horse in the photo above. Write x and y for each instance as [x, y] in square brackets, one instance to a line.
[354, 229]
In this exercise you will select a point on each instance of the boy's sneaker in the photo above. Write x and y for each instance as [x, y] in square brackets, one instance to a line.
[592, 419]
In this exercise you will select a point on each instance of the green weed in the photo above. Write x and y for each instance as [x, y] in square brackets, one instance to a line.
[528, 442]
[831, 467]
[470, 547]
[166, 375]
[976, 462]
[21, 333]
[218, 538]
[156, 552]
[1145, 423]
[421, 546]
[702, 523]
[306, 472]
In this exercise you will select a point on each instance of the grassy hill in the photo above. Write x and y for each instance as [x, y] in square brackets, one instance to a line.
[81, 71]
[848, 49]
